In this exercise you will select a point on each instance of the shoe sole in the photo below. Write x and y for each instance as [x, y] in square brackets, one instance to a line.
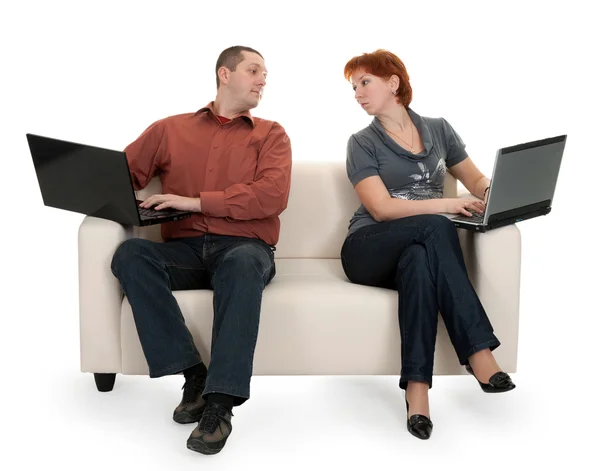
[418, 436]
[185, 417]
[199, 446]
[497, 391]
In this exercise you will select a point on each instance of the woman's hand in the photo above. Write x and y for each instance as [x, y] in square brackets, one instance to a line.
[462, 206]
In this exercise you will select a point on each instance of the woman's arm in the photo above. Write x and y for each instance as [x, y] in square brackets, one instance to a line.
[470, 176]
[382, 207]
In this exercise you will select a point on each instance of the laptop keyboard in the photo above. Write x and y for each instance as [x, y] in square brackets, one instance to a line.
[475, 218]
[151, 213]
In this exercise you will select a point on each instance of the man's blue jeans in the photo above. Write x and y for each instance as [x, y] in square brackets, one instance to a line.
[237, 269]
[420, 257]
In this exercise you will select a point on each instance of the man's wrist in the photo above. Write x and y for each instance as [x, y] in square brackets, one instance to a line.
[198, 205]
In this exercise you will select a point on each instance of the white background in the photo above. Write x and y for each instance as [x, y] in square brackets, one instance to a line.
[101, 72]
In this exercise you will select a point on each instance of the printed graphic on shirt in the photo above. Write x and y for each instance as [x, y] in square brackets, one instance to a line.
[427, 184]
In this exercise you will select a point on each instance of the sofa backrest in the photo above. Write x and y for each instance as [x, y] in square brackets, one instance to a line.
[314, 225]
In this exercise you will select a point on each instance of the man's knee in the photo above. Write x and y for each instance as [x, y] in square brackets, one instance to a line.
[128, 254]
[245, 257]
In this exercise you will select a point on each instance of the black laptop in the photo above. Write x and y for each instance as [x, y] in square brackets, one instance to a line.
[92, 181]
[523, 184]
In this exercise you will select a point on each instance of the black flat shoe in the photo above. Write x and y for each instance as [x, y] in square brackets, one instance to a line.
[419, 425]
[498, 382]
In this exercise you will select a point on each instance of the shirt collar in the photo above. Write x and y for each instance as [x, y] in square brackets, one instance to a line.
[210, 110]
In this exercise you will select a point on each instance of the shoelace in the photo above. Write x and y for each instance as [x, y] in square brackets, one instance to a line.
[191, 388]
[211, 417]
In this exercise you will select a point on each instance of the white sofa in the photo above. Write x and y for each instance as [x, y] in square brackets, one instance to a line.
[313, 320]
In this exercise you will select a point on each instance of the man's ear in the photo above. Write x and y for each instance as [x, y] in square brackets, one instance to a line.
[223, 74]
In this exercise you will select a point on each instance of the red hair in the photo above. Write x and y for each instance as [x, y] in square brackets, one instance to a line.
[382, 64]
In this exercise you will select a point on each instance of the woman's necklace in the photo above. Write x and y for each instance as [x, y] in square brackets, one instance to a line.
[411, 137]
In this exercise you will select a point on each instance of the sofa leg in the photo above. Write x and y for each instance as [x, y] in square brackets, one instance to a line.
[105, 381]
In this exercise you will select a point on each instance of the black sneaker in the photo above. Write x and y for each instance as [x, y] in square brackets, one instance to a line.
[211, 434]
[191, 406]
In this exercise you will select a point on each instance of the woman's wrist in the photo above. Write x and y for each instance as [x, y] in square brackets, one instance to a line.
[484, 187]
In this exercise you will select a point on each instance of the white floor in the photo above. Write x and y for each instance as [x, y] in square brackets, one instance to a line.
[292, 423]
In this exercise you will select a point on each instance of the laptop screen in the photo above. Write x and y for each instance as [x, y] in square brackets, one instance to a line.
[525, 175]
[84, 179]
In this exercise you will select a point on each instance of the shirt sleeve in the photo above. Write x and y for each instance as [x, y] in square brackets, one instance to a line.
[360, 159]
[455, 147]
[268, 195]
[147, 154]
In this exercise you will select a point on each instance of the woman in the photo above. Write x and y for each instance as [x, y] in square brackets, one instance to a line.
[397, 238]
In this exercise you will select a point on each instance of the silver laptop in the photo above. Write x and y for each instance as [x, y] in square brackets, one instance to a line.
[522, 187]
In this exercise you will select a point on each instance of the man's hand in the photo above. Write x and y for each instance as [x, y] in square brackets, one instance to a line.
[183, 203]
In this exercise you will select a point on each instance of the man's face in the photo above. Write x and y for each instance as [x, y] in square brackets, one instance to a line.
[246, 84]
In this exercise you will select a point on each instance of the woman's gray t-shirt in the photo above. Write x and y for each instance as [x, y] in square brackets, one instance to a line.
[407, 176]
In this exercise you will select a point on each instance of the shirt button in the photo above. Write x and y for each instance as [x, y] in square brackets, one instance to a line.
[215, 146]
[210, 169]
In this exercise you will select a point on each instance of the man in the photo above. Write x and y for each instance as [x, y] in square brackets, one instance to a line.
[233, 171]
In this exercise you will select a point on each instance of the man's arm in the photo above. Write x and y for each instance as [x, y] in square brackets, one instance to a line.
[146, 154]
[268, 195]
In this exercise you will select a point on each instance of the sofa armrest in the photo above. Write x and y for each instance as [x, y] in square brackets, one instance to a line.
[493, 261]
[100, 295]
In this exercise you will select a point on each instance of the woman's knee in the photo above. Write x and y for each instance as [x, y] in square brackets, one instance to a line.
[436, 223]
[415, 253]
[415, 256]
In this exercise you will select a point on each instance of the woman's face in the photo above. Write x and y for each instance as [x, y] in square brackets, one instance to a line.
[372, 93]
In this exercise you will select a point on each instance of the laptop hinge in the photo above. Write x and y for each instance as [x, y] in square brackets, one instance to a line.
[519, 214]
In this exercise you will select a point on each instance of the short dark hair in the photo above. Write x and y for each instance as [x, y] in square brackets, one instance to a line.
[231, 57]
